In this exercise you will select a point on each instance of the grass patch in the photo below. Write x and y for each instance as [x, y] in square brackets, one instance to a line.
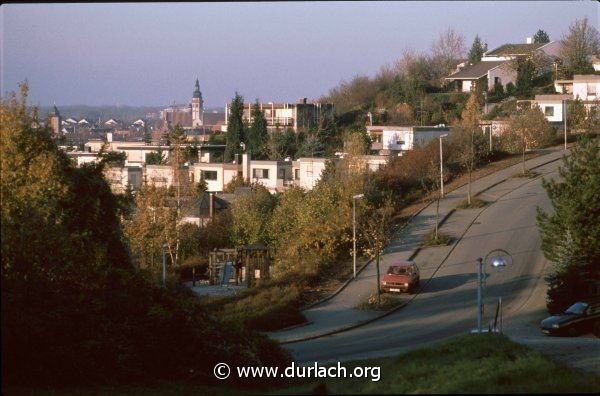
[475, 203]
[271, 306]
[529, 174]
[388, 301]
[487, 363]
[430, 239]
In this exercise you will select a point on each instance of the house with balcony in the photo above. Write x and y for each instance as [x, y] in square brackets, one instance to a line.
[295, 116]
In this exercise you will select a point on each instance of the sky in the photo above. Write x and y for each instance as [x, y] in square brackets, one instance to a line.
[149, 54]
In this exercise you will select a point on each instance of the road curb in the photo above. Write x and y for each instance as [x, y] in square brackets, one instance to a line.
[412, 256]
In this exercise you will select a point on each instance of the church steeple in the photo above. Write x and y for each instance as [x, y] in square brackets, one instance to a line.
[197, 107]
[197, 93]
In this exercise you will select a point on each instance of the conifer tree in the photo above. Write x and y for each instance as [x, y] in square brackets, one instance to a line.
[235, 128]
[477, 50]
[571, 234]
[258, 137]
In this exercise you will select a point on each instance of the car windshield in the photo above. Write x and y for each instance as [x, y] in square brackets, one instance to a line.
[398, 270]
[577, 308]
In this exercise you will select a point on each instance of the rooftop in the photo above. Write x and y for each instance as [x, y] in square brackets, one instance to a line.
[475, 71]
[515, 49]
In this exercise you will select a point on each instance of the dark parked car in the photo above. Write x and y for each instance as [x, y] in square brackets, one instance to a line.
[402, 276]
[580, 318]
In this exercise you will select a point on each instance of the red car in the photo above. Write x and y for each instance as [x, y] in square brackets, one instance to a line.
[401, 277]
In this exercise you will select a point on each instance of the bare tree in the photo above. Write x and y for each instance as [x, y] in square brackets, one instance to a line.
[582, 41]
[448, 48]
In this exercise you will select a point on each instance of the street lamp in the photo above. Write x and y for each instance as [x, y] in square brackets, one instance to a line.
[164, 265]
[442, 167]
[498, 259]
[354, 198]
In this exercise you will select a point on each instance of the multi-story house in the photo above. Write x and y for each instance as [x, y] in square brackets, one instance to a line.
[296, 116]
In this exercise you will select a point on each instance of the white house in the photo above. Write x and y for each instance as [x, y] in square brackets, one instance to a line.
[164, 175]
[552, 106]
[274, 175]
[387, 139]
[307, 171]
[216, 175]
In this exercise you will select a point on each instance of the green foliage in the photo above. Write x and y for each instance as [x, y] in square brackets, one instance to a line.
[235, 129]
[251, 214]
[257, 136]
[527, 129]
[478, 48]
[576, 114]
[74, 310]
[282, 144]
[156, 158]
[541, 37]
[524, 82]
[571, 235]
[483, 364]
[271, 306]
[235, 183]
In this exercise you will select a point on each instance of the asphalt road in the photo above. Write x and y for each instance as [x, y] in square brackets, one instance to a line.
[446, 306]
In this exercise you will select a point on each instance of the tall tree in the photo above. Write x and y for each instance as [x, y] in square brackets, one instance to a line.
[470, 124]
[525, 75]
[582, 41]
[257, 136]
[541, 37]
[235, 128]
[478, 48]
[571, 234]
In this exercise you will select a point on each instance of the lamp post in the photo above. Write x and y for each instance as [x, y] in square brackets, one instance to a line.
[442, 167]
[498, 259]
[354, 198]
[164, 265]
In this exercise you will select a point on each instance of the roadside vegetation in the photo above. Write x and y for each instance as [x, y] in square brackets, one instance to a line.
[75, 309]
[465, 364]
[571, 233]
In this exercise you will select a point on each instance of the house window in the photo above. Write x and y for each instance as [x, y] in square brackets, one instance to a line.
[209, 175]
[260, 173]
[591, 89]
[281, 173]
[296, 174]
[497, 80]
[549, 111]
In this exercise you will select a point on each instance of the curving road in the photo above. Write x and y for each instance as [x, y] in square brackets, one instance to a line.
[446, 306]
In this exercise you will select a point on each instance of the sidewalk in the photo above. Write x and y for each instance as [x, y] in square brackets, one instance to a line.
[340, 313]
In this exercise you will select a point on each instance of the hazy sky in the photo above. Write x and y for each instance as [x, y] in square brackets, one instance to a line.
[150, 54]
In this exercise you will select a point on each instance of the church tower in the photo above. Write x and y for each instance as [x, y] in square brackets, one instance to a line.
[55, 121]
[197, 107]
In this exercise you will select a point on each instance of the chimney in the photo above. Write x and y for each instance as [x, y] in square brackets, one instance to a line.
[246, 166]
[302, 100]
[529, 40]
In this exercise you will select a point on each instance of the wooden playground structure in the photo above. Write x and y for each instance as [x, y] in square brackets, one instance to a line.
[245, 265]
